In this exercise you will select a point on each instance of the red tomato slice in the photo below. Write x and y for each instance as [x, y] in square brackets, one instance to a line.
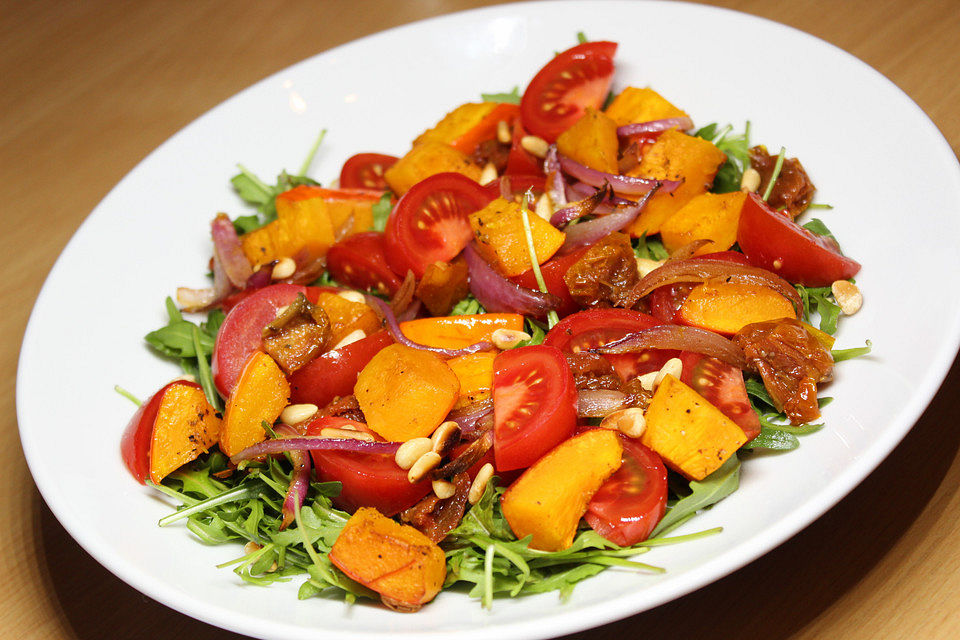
[773, 241]
[369, 480]
[594, 327]
[665, 302]
[520, 161]
[430, 224]
[360, 262]
[562, 90]
[335, 372]
[519, 183]
[534, 405]
[722, 386]
[553, 271]
[365, 171]
[135, 442]
[630, 503]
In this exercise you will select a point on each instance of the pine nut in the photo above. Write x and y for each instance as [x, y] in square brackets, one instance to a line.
[504, 135]
[424, 465]
[353, 296]
[297, 413]
[535, 145]
[480, 483]
[345, 434]
[750, 180]
[285, 268]
[489, 173]
[630, 422]
[848, 296]
[445, 437]
[646, 265]
[410, 451]
[350, 338]
[185, 378]
[544, 207]
[250, 547]
[443, 489]
[649, 380]
[508, 338]
[672, 367]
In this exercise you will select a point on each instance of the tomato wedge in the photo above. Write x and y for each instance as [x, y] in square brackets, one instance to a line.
[562, 90]
[360, 262]
[365, 171]
[722, 386]
[335, 372]
[521, 162]
[773, 241]
[430, 224]
[630, 503]
[553, 271]
[534, 405]
[368, 479]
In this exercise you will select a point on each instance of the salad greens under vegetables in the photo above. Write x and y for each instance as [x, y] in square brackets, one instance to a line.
[482, 317]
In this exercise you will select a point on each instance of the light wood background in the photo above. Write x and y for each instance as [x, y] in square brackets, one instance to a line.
[88, 88]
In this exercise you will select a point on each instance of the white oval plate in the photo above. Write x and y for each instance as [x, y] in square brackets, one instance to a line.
[377, 94]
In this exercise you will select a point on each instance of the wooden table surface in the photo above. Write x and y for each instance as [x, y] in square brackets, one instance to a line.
[90, 87]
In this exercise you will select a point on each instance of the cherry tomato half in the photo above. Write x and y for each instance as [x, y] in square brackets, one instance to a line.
[553, 271]
[562, 90]
[630, 503]
[335, 372]
[773, 241]
[722, 386]
[534, 405]
[369, 479]
[430, 224]
[360, 262]
[521, 162]
[365, 171]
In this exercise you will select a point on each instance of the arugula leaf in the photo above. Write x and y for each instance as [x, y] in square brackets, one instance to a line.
[262, 196]
[468, 306]
[650, 248]
[839, 355]
[737, 149]
[704, 493]
[581, 37]
[817, 226]
[774, 439]
[820, 300]
[381, 211]
[513, 97]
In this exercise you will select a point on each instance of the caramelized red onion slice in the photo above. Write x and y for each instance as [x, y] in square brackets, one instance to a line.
[626, 185]
[586, 233]
[393, 326]
[229, 251]
[313, 443]
[582, 190]
[497, 294]
[556, 186]
[299, 481]
[687, 250]
[655, 126]
[192, 300]
[671, 336]
[704, 269]
[580, 208]
[470, 418]
[599, 403]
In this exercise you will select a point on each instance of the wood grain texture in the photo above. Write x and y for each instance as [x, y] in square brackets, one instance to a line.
[91, 87]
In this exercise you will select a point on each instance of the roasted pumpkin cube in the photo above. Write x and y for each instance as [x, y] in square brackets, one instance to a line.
[708, 216]
[260, 395]
[591, 141]
[692, 436]
[468, 125]
[427, 159]
[346, 316]
[633, 105]
[501, 240]
[350, 210]
[475, 373]
[675, 156]
[727, 307]
[443, 285]
[303, 231]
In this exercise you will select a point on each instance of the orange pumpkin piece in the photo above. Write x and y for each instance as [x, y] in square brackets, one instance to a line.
[708, 216]
[468, 125]
[443, 285]
[457, 332]
[350, 211]
[498, 230]
[549, 499]
[475, 373]
[346, 316]
[692, 436]
[675, 156]
[260, 395]
[406, 393]
[633, 105]
[397, 561]
[303, 231]
[426, 159]
[591, 141]
[727, 307]
[186, 426]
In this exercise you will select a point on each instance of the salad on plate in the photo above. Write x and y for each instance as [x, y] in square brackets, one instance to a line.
[520, 354]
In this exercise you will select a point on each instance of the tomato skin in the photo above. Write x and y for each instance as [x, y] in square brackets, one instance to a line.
[369, 479]
[520, 161]
[365, 171]
[772, 241]
[335, 372]
[553, 271]
[360, 262]
[562, 90]
[430, 223]
[665, 302]
[519, 183]
[630, 503]
[534, 405]
[722, 386]
[135, 442]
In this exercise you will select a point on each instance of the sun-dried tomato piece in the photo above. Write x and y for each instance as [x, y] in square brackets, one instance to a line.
[793, 190]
